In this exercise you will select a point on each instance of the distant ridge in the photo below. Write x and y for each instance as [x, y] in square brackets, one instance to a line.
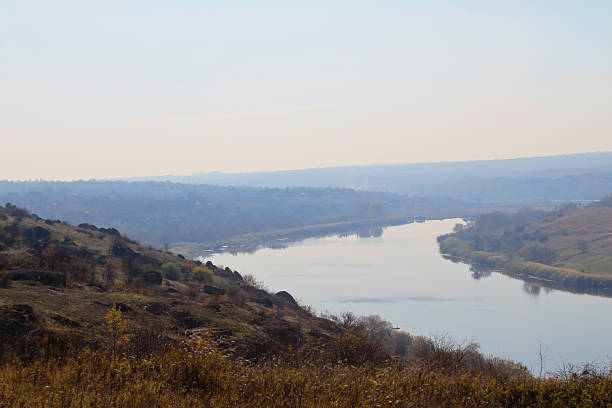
[560, 177]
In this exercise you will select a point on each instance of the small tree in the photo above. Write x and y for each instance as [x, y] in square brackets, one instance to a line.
[203, 274]
[116, 326]
[111, 267]
[171, 271]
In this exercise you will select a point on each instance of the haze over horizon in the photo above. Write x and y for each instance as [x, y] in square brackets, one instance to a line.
[121, 89]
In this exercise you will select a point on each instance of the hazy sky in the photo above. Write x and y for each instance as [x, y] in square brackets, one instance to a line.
[125, 88]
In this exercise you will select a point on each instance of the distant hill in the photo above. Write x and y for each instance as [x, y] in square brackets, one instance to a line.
[161, 212]
[586, 176]
[569, 247]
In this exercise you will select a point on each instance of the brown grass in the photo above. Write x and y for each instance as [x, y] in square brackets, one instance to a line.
[196, 373]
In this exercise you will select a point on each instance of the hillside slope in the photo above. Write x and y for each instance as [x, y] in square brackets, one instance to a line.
[57, 278]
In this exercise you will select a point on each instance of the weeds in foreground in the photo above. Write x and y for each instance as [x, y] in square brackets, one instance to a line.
[196, 373]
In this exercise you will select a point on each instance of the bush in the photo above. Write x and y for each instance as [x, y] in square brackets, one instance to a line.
[539, 254]
[203, 274]
[171, 271]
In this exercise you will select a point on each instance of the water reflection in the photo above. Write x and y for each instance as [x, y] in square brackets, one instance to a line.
[402, 277]
[479, 273]
[535, 290]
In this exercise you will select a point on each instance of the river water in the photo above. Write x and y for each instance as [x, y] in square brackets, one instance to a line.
[402, 277]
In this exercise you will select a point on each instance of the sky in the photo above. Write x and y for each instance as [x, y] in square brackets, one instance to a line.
[113, 89]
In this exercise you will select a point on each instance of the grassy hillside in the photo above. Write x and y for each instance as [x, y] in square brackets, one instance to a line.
[89, 317]
[570, 247]
[582, 239]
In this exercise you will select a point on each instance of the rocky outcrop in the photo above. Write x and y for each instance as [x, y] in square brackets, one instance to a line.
[286, 296]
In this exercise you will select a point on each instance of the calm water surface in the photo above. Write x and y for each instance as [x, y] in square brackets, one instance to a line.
[402, 277]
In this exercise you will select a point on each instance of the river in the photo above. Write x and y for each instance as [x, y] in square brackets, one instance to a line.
[402, 277]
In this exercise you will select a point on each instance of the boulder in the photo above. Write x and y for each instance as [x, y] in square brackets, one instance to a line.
[213, 290]
[156, 308]
[16, 320]
[123, 307]
[225, 273]
[153, 278]
[286, 296]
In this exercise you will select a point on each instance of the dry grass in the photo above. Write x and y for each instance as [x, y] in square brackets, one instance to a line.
[195, 373]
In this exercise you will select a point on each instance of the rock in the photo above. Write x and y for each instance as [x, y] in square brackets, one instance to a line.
[112, 231]
[85, 225]
[179, 286]
[121, 250]
[187, 320]
[36, 233]
[213, 290]
[209, 265]
[64, 321]
[156, 308]
[267, 302]
[123, 307]
[153, 278]
[45, 277]
[169, 290]
[225, 273]
[16, 320]
[286, 296]
[238, 276]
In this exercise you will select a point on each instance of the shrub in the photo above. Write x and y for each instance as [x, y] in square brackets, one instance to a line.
[171, 271]
[251, 281]
[203, 274]
[540, 254]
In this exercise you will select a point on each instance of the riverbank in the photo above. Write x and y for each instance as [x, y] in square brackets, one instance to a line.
[249, 243]
[535, 273]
